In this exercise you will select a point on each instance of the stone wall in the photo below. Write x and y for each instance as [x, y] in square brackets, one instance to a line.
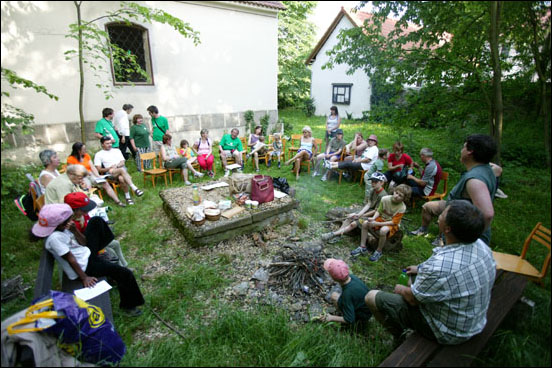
[60, 137]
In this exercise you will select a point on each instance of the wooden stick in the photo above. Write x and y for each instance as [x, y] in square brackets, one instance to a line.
[166, 324]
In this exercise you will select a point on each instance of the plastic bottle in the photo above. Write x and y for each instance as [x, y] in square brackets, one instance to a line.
[195, 195]
[403, 278]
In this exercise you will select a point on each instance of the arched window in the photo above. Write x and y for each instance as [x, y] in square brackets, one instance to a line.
[134, 40]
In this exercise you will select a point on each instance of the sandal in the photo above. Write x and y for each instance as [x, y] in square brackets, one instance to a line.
[138, 192]
[130, 201]
[121, 204]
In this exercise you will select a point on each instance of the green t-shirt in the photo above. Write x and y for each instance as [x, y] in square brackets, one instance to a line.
[140, 134]
[336, 145]
[160, 126]
[105, 128]
[228, 144]
[351, 302]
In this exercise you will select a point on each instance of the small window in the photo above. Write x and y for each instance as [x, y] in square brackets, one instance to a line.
[135, 40]
[341, 93]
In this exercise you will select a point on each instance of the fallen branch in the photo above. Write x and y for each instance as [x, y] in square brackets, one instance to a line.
[167, 324]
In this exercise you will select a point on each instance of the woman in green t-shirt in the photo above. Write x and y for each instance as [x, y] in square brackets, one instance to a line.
[139, 140]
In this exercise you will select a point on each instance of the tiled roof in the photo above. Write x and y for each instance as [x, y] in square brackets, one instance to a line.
[265, 4]
[358, 19]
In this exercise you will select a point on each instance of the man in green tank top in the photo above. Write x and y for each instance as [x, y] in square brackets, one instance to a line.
[477, 185]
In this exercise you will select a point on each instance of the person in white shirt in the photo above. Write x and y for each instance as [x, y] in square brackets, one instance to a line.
[111, 162]
[364, 162]
[121, 122]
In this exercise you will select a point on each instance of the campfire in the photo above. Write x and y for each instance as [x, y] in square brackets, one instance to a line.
[298, 270]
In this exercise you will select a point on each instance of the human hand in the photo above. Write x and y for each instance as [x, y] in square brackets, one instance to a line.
[89, 281]
[412, 270]
[399, 288]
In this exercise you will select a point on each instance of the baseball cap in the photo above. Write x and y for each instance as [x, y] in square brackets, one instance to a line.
[337, 269]
[378, 176]
[373, 137]
[339, 131]
[79, 200]
[50, 217]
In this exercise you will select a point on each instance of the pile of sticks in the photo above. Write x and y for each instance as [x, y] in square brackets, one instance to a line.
[298, 270]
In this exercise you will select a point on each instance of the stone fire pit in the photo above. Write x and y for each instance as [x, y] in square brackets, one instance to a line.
[176, 200]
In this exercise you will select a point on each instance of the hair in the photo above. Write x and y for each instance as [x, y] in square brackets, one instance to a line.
[135, 118]
[382, 152]
[406, 190]
[166, 138]
[127, 107]
[236, 129]
[77, 170]
[465, 220]
[107, 111]
[153, 109]
[276, 135]
[104, 138]
[75, 150]
[308, 129]
[360, 134]
[398, 146]
[204, 130]
[183, 143]
[428, 152]
[46, 156]
[483, 147]
[262, 138]
[334, 108]
[257, 127]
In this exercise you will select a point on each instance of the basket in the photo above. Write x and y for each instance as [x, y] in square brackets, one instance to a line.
[212, 214]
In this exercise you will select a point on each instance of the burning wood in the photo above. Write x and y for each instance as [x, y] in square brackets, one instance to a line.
[297, 269]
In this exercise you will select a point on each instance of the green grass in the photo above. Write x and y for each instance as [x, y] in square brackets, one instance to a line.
[183, 285]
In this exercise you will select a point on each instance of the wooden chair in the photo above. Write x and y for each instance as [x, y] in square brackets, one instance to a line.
[153, 173]
[170, 171]
[231, 160]
[310, 162]
[295, 142]
[519, 264]
[38, 199]
[436, 195]
[361, 172]
[268, 154]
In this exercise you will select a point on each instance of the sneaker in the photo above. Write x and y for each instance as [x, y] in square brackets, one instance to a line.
[359, 251]
[437, 242]
[324, 178]
[315, 174]
[327, 164]
[375, 256]
[129, 201]
[500, 194]
[418, 232]
[226, 173]
[133, 312]
[187, 182]
[211, 174]
[327, 236]
[278, 164]
[199, 174]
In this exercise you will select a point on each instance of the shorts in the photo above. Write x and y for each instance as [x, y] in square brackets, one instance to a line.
[228, 153]
[434, 208]
[401, 315]
[392, 229]
[305, 150]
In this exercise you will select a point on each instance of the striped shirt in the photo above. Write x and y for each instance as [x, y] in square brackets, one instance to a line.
[454, 290]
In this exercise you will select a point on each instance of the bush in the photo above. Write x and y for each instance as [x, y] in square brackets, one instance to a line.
[309, 107]
[14, 182]
[265, 120]
[249, 117]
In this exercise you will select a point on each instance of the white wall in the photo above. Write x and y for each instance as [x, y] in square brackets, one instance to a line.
[321, 85]
[233, 69]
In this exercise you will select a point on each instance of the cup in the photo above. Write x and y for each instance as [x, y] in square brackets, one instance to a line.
[254, 204]
[248, 204]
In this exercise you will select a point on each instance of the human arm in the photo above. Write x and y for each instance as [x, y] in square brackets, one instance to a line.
[406, 293]
[481, 198]
[98, 135]
[331, 318]
[78, 235]
[164, 156]
[87, 281]
[45, 180]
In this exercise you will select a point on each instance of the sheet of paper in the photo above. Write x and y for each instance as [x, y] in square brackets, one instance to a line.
[89, 293]
[233, 166]
[216, 185]
[278, 194]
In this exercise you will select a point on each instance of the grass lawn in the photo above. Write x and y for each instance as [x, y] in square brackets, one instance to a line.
[184, 285]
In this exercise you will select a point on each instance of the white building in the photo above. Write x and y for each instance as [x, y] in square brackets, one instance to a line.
[232, 70]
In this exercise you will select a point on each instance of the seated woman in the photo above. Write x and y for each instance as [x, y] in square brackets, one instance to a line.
[251, 143]
[172, 160]
[78, 255]
[396, 163]
[358, 144]
[50, 161]
[308, 146]
[260, 148]
[79, 156]
[204, 151]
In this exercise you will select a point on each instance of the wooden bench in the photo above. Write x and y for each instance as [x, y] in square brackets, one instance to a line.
[417, 350]
[43, 284]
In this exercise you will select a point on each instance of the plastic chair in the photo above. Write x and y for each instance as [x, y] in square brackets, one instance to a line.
[153, 173]
[519, 264]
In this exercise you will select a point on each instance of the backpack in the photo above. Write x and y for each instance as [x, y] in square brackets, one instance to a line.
[25, 202]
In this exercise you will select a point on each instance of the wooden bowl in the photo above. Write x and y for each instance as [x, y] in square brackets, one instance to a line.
[212, 214]
[199, 223]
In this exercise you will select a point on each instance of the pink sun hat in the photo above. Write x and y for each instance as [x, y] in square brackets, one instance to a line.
[50, 217]
[337, 269]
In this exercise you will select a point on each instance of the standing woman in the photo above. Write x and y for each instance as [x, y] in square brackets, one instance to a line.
[50, 161]
[332, 123]
[204, 151]
[305, 150]
[139, 140]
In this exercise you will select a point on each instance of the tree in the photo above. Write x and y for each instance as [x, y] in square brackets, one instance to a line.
[457, 46]
[295, 41]
[14, 117]
[95, 47]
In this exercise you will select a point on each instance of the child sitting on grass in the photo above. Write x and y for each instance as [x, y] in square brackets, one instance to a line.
[386, 221]
[277, 147]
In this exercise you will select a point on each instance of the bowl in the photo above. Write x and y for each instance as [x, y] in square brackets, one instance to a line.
[212, 214]
[199, 223]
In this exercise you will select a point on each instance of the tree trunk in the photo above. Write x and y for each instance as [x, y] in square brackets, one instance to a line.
[498, 107]
[81, 74]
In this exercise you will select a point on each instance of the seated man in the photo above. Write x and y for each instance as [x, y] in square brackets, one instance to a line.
[68, 182]
[371, 203]
[231, 146]
[424, 186]
[111, 161]
[450, 295]
[332, 154]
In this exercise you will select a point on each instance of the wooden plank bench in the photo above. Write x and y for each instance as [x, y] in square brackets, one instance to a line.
[43, 284]
[417, 350]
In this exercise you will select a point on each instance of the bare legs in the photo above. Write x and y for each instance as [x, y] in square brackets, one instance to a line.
[303, 155]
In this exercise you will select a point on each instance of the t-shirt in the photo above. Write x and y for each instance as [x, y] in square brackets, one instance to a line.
[390, 211]
[186, 152]
[374, 197]
[405, 159]
[377, 166]
[86, 161]
[428, 176]
[228, 144]
[108, 158]
[140, 134]
[335, 144]
[121, 123]
[105, 128]
[60, 243]
[351, 302]
[372, 154]
[160, 126]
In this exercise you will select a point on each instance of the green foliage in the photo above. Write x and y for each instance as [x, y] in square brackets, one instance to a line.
[249, 117]
[295, 42]
[14, 182]
[264, 121]
[309, 108]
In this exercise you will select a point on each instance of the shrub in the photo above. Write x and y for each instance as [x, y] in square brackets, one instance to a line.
[249, 117]
[309, 107]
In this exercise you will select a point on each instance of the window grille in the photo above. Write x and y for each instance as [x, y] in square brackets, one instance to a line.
[341, 93]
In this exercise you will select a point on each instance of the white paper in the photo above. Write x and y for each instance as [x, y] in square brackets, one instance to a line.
[101, 179]
[233, 166]
[278, 194]
[89, 293]
[213, 186]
